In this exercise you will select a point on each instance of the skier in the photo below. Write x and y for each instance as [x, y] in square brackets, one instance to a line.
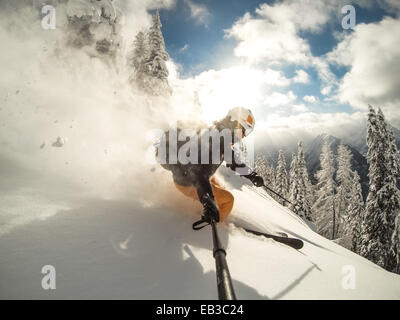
[196, 179]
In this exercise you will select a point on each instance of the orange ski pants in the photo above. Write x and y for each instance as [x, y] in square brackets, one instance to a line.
[223, 198]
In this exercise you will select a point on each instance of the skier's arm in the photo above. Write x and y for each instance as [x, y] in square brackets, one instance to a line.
[244, 170]
[257, 180]
[237, 165]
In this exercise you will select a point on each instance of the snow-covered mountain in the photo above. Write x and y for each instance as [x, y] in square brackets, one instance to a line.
[357, 137]
[130, 249]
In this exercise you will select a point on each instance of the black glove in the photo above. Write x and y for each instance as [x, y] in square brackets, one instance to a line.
[255, 179]
[210, 210]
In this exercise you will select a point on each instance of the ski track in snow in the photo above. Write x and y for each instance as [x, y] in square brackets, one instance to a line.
[122, 249]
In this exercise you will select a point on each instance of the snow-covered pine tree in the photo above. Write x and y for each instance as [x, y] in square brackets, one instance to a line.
[344, 178]
[395, 247]
[394, 161]
[376, 242]
[155, 64]
[137, 59]
[324, 207]
[281, 180]
[261, 166]
[292, 171]
[354, 215]
[266, 172]
[304, 173]
[389, 194]
[298, 186]
[396, 154]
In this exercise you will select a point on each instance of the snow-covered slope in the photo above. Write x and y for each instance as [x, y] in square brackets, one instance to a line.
[143, 250]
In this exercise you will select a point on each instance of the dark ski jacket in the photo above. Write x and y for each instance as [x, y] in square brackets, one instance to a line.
[195, 170]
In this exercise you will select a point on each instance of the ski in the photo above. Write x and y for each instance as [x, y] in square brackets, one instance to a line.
[292, 242]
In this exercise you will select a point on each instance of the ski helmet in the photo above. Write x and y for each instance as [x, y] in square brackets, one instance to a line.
[244, 117]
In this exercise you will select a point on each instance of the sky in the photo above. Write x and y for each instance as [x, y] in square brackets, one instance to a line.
[287, 60]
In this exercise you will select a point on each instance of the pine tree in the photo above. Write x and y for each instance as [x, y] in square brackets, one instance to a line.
[298, 186]
[344, 177]
[395, 247]
[354, 215]
[137, 60]
[376, 241]
[309, 190]
[281, 181]
[394, 163]
[325, 207]
[395, 159]
[155, 64]
[292, 171]
[389, 194]
[266, 172]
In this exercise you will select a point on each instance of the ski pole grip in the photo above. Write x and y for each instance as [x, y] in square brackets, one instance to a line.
[198, 225]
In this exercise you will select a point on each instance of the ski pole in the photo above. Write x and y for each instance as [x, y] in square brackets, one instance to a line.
[276, 193]
[224, 281]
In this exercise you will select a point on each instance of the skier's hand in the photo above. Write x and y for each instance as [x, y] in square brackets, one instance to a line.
[258, 181]
[255, 179]
[210, 210]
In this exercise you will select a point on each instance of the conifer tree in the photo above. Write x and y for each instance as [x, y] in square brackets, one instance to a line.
[137, 60]
[325, 207]
[389, 194]
[298, 186]
[354, 215]
[309, 190]
[281, 181]
[376, 240]
[155, 65]
[395, 247]
[292, 171]
[266, 172]
[344, 177]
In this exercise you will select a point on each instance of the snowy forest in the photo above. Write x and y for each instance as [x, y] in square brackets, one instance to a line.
[334, 206]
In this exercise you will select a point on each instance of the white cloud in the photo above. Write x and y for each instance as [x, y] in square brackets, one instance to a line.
[272, 35]
[277, 99]
[310, 99]
[372, 52]
[260, 40]
[184, 48]
[301, 77]
[199, 12]
[299, 108]
[310, 123]
[220, 90]
[326, 90]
